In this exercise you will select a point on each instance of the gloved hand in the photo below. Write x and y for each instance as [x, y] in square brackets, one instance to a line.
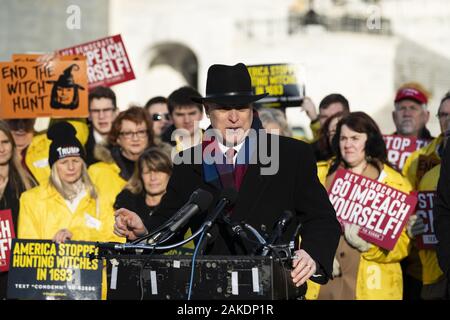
[351, 235]
[336, 268]
[415, 226]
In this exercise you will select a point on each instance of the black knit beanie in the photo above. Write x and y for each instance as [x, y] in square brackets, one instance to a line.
[64, 142]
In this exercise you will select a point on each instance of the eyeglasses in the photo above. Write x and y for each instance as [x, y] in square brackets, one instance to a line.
[159, 116]
[105, 111]
[442, 115]
[130, 134]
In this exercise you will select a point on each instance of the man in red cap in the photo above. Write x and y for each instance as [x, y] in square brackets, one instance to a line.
[411, 114]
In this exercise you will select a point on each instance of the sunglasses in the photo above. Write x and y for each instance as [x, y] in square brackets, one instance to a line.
[159, 116]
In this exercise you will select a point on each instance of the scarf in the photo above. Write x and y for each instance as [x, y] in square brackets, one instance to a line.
[215, 168]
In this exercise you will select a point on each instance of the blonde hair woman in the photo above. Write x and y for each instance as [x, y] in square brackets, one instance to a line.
[68, 206]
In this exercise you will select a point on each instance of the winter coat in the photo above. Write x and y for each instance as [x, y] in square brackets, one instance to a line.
[379, 275]
[107, 175]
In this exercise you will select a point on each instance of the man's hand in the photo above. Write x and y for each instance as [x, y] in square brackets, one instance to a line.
[310, 108]
[62, 236]
[128, 224]
[304, 267]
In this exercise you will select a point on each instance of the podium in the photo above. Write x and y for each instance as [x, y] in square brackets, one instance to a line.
[167, 277]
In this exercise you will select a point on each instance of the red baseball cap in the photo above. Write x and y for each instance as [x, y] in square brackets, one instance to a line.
[411, 93]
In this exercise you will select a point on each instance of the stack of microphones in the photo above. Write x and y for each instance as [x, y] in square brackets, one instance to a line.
[199, 202]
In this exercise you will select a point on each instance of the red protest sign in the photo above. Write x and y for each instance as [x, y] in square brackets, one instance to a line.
[6, 235]
[380, 211]
[399, 148]
[107, 61]
[424, 209]
[56, 88]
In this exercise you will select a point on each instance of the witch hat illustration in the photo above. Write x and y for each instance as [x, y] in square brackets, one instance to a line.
[65, 90]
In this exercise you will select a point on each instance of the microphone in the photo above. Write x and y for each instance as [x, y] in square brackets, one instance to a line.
[227, 198]
[280, 227]
[199, 201]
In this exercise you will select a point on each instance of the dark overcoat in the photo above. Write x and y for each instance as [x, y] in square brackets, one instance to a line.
[261, 201]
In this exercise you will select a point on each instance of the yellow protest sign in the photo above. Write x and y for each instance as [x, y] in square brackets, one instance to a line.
[42, 269]
[280, 81]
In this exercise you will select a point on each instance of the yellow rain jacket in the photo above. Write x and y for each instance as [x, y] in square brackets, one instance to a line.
[315, 128]
[43, 212]
[379, 273]
[105, 176]
[412, 162]
[431, 272]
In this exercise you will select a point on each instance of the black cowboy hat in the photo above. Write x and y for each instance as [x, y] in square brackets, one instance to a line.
[229, 86]
[66, 80]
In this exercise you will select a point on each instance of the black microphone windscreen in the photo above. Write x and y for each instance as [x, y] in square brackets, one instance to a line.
[230, 194]
[202, 199]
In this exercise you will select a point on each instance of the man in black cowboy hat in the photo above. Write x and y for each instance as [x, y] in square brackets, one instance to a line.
[264, 192]
[65, 90]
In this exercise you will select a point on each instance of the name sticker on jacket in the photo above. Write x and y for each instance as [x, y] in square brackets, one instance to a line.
[92, 222]
[41, 163]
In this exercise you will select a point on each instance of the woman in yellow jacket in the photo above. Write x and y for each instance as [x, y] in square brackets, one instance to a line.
[361, 270]
[67, 207]
[426, 268]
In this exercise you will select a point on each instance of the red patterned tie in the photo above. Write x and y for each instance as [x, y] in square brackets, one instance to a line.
[229, 155]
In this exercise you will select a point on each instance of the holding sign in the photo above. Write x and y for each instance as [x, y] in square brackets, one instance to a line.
[107, 59]
[280, 81]
[42, 269]
[380, 211]
[424, 209]
[6, 235]
[399, 148]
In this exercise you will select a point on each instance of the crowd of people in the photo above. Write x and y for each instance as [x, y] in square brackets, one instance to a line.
[114, 177]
